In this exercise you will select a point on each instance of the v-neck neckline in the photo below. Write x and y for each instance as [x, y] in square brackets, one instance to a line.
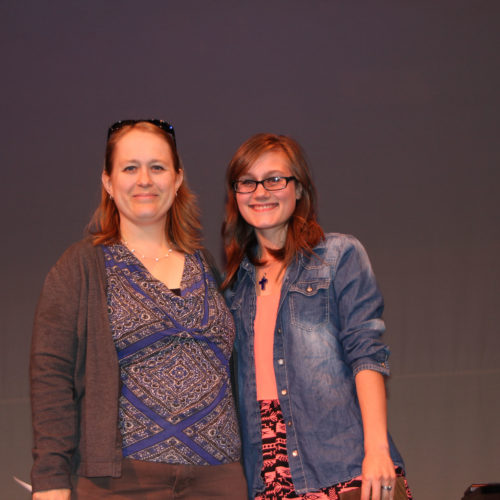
[150, 276]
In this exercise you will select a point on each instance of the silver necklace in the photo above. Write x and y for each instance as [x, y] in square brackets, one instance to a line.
[156, 259]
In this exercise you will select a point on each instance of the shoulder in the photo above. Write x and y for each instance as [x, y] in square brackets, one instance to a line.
[341, 253]
[82, 255]
[77, 266]
[338, 240]
[210, 265]
[242, 285]
[207, 259]
[336, 245]
[81, 249]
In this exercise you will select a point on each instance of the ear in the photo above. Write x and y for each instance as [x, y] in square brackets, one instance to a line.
[179, 177]
[106, 182]
[298, 191]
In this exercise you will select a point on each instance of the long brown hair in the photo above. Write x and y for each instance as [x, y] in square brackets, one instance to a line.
[182, 225]
[303, 233]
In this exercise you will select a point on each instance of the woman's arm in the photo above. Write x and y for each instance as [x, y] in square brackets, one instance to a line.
[52, 371]
[378, 468]
[360, 306]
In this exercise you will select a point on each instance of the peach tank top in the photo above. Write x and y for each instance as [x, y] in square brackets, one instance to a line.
[264, 324]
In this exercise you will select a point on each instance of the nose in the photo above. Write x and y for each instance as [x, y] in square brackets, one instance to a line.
[261, 191]
[144, 178]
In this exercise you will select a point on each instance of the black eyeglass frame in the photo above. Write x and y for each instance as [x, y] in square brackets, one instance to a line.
[256, 183]
[164, 125]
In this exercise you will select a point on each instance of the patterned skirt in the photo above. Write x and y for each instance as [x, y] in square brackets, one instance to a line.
[276, 470]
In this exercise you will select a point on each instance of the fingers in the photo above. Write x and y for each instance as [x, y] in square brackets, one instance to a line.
[378, 477]
[378, 489]
[366, 488]
[58, 494]
[387, 486]
[387, 491]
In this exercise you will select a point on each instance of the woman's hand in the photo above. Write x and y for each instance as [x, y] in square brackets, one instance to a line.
[62, 494]
[377, 471]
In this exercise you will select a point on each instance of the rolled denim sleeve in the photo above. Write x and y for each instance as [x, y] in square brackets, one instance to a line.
[360, 306]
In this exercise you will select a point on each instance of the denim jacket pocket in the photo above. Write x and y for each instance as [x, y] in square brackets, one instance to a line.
[309, 303]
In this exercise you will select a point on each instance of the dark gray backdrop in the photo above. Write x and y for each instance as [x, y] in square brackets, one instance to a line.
[396, 104]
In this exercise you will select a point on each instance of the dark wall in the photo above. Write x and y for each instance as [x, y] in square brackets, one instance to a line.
[396, 104]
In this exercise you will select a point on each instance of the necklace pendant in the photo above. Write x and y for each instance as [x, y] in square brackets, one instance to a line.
[263, 282]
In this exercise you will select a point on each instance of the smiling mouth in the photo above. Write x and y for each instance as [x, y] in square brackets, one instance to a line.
[263, 207]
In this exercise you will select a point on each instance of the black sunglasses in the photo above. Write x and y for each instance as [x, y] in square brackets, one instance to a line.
[165, 126]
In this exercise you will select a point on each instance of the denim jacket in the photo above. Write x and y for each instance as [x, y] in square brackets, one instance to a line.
[328, 328]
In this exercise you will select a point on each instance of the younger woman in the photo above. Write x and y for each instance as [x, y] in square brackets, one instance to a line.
[308, 324]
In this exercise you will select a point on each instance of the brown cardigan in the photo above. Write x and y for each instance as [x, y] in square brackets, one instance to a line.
[74, 374]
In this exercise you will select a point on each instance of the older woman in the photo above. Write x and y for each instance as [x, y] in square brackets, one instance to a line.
[131, 394]
[308, 321]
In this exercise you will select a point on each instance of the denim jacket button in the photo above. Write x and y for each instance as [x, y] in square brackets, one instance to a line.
[289, 423]
[283, 392]
[280, 361]
[309, 289]
[295, 453]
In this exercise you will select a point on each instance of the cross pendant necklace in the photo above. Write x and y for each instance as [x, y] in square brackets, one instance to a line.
[263, 282]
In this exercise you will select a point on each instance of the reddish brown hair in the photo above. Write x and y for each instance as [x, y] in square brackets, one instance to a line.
[182, 225]
[304, 232]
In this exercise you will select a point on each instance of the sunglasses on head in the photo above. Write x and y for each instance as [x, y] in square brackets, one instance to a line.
[165, 126]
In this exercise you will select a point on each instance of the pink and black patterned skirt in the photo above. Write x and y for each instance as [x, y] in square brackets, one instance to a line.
[276, 470]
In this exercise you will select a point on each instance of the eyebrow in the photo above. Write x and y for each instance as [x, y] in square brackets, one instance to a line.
[153, 160]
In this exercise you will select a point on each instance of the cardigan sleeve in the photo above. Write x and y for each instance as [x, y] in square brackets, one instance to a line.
[52, 374]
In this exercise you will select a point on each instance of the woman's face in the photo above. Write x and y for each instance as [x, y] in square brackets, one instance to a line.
[143, 180]
[269, 211]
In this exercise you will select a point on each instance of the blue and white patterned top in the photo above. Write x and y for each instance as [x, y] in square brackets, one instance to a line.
[176, 404]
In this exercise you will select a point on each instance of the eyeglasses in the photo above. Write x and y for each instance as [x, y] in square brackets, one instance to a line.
[275, 183]
[165, 126]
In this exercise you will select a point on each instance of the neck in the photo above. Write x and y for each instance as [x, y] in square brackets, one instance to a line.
[269, 276]
[270, 240]
[152, 236]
